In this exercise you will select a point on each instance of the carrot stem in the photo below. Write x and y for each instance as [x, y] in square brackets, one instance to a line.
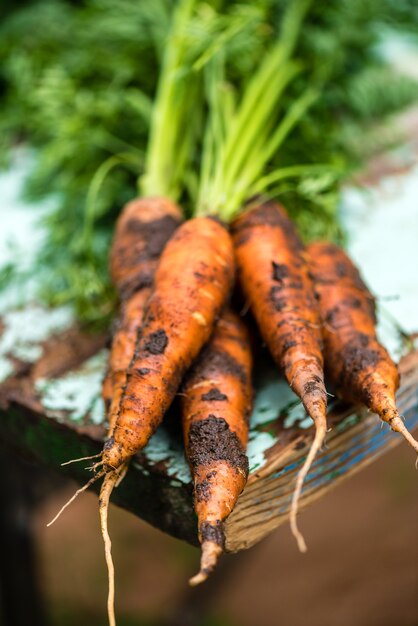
[211, 552]
[235, 154]
[170, 129]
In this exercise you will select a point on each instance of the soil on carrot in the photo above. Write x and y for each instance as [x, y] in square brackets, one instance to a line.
[211, 440]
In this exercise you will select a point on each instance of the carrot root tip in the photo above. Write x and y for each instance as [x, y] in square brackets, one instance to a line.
[300, 540]
[398, 426]
[211, 552]
[109, 483]
[321, 430]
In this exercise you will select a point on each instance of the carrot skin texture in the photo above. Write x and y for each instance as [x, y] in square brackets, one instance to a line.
[348, 312]
[142, 230]
[216, 403]
[192, 283]
[273, 274]
[123, 347]
[358, 365]
[141, 233]
[274, 278]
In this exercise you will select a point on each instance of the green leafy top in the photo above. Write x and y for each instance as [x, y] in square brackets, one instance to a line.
[306, 117]
[243, 136]
[78, 82]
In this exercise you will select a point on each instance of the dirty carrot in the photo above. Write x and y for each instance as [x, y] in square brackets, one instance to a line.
[358, 365]
[273, 274]
[244, 133]
[191, 286]
[192, 283]
[216, 402]
[142, 230]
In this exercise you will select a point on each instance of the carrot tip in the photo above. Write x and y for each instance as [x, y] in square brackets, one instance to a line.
[211, 552]
[398, 426]
[321, 430]
[300, 540]
[198, 579]
[109, 482]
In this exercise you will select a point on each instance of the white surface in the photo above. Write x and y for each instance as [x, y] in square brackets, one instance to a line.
[382, 227]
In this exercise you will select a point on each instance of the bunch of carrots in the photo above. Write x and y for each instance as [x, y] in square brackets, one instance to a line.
[176, 331]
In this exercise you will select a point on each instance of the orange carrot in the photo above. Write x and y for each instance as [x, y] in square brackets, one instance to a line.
[142, 230]
[192, 283]
[358, 365]
[122, 351]
[274, 277]
[216, 404]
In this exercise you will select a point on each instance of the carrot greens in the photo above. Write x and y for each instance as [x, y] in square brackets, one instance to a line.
[243, 137]
[78, 84]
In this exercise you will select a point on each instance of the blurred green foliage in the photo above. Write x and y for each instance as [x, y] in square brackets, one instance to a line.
[77, 82]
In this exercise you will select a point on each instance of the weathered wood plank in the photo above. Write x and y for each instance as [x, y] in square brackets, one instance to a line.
[158, 488]
[147, 491]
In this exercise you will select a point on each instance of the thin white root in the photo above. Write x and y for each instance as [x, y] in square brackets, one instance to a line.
[321, 429]
[211, 552]
[109, 482]
[94, 467]
[122, 473]
[77, 493]
[83, 458]
[398, 426]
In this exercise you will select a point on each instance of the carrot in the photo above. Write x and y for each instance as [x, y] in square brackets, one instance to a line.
[192, 283]
[274, 278]
[121, 353]
[142, 230]
[358, 365]
[216, 404]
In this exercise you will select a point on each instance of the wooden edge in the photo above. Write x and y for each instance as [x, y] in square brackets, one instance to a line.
[264, 504]
[44, 440]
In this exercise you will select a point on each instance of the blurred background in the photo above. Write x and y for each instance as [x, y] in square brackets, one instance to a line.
[361, 567]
